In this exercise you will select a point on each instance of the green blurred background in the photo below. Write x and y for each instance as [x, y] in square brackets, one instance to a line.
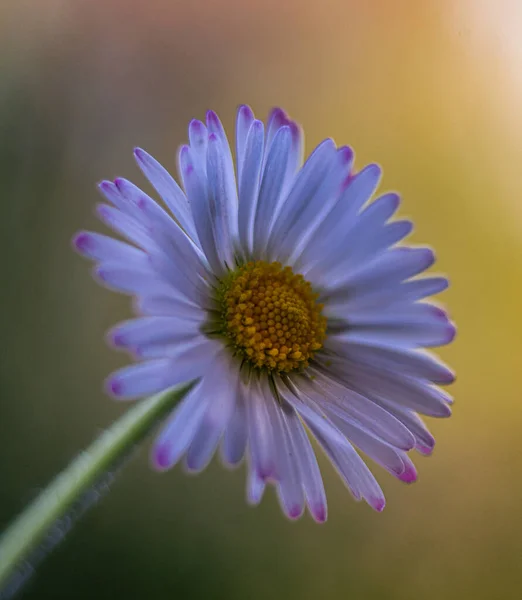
[432, 90]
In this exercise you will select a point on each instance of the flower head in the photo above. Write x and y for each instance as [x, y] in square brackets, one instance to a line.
[280, 288]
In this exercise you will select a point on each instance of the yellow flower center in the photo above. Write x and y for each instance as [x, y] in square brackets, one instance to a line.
[271, 316]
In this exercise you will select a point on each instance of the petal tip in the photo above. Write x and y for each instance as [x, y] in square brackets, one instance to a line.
[377, 504]
[105, 186]
[395, 200]
[160, 458]
[212, 119]
[120, 182]
[295, 512]
[101, 274]
[139, 154]
[430, 256]
[114, 387]
[279, 115]
[448, 377]
[319, 513]
[115, 338]
[409, 475]
[425, 450]
[266, 472]
[196, 126]
[82, 242]
[245, 112]
[346, 154]
[451, 333]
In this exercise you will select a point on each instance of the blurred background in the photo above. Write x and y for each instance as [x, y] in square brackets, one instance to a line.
[433, 92]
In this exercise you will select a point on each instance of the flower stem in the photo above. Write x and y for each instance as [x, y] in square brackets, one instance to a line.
[31, 527]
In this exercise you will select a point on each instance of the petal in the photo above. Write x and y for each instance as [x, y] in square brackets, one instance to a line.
[129, 279]
[398, 293]
[148, 211]
[249, 182]
[222, 199]
[140, 380]
[197, 190]
[395, 315]
[379, 211]
[340, 223]
[310, 474]
[244, 120]
[179, 431]
[390, 268]
[216, 130]
[424, 441]
[360, 188]
[276, 120]
[189, 348]
[353, 471]
[234, 442]
[408, 392]
[143, 331]
[179, 265]
[126, 226]
[368, 248]
[155, 376]
[220, 383]
[382, 453]
[198, 137]
[167, 303]
[356, 409]
[317, 208]
[355, 253]
[105, 249]
[304, 187]
[286, 468]
[270, 193]
[402, 334]
[260, 433]
[349, 465]
[168, 189]
[255, 487]
[295, 160]
[114, 195]
[413, 363]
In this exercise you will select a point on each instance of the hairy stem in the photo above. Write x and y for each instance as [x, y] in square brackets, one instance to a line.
[107, 451]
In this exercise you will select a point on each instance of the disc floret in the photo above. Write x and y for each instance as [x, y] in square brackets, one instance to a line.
[271, 316]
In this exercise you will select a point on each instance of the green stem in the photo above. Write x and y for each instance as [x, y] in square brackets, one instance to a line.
[31, 527]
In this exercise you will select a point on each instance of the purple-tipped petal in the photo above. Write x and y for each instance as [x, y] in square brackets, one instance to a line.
[313, 213]
[319, 512]
[410, 473]
[255, 488]
[105, 249]
[222, 199]
[180, 429]
[139, 380]
[270, 192]
[220, 383]
[249, 182]
[306, 184]
[378, 503]
[168, 189]
[244, 120]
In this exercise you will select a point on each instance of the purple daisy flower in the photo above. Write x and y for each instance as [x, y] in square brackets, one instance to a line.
[281, 289]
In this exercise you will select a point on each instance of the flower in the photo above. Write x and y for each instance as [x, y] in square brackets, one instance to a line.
[281, 289]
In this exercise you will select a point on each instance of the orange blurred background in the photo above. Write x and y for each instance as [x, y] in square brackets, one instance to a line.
[430, 90]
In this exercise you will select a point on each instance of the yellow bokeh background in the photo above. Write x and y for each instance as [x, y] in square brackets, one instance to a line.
[430, 90]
